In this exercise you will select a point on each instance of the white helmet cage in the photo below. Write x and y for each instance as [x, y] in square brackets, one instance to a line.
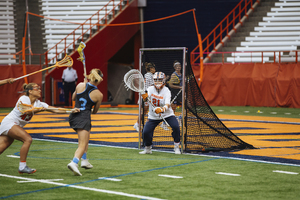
[159, 79]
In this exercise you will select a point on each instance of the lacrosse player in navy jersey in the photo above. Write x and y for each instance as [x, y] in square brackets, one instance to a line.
[160, 96]
[86, 97]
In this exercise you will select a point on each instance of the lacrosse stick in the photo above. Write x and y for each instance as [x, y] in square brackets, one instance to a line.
[176, 96]
[80, 49]
[134, 80]
[65, 62]
[22, 107]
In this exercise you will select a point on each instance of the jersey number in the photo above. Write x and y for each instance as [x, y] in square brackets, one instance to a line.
[156, 102]
[83, 103]
[26, 117]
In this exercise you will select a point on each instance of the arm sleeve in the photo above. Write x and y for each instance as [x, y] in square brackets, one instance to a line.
[63, 75]
[38, 103]
[168, 97]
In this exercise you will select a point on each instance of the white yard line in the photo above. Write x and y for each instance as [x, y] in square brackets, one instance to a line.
[285, 172]
[169, 176]
[227, 174]
[110, 179]
[81, 187]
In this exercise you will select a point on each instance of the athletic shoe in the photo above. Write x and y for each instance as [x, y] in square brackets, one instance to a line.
[74, 168]
[86, 164]
[27, 170]
[177, 149]
[147, 150]
[164, 126]
[136, 127]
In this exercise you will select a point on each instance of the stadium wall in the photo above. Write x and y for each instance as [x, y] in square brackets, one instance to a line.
[9, 92]
[253, 84]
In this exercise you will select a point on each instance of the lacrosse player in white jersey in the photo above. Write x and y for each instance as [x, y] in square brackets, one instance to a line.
[160, 96]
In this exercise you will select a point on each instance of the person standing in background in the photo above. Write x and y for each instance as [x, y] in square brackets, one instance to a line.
[148, 78]
[69, 79]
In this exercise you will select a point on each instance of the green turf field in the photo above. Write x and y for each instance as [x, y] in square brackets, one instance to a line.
[121, 173]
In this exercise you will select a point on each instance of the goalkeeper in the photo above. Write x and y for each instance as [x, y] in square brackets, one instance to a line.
[160, 96]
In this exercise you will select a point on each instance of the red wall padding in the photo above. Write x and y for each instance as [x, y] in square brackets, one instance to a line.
[253, 84]
[9, 92]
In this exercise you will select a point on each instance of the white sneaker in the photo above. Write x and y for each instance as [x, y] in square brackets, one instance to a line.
[136, 127]
[177, 149]
[86, 164]
[147, 150]
[74, 168]
[164, 126]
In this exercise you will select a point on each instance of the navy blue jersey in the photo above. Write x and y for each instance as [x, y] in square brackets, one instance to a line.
[83, 100]
[82, 119]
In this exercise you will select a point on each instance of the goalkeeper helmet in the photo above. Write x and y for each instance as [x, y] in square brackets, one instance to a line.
[159, 80]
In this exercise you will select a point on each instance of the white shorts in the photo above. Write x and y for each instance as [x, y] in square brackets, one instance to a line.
[6, 125]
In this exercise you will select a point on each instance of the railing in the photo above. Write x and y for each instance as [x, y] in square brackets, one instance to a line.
[222, 29]
[259, 56]
[88, 28]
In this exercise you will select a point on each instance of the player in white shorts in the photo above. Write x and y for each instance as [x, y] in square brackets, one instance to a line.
[12, 125]
[160, 96]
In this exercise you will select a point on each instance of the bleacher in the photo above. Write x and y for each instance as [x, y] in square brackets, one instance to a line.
[279, 32]
[77, 11]
[7, 33]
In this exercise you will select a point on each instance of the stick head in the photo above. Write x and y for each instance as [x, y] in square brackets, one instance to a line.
[22, 107]
[67, 61]
[134, 80]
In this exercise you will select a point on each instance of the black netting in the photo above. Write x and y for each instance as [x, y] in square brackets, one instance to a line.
[203, 130]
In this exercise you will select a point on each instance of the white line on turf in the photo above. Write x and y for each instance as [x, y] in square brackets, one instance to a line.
[227, 174]
[110, 179]
[31, 181]
[13, 156]
[169, 176]
[285, 172]
[82, 187]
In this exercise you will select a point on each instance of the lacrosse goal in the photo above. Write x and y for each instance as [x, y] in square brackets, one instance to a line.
[201, 129]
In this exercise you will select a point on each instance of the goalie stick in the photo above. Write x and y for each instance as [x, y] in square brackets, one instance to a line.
[134, 80]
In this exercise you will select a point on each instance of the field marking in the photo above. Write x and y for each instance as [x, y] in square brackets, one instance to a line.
[13, 156]
[227, 174]
[32, 181]
[109, 179]
[285, 172]
[169, 176]
[79, 187]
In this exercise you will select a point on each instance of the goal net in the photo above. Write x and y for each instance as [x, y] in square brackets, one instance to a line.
[201, 129]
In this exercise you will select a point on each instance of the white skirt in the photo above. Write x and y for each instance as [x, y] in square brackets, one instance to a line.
[6, 125]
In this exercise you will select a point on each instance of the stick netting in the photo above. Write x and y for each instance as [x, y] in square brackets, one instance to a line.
[134, 80]
[202, 130]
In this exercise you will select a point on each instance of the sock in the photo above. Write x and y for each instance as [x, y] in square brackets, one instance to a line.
[84, 156]
[176, 144]
[22, 165]
[75, 160]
